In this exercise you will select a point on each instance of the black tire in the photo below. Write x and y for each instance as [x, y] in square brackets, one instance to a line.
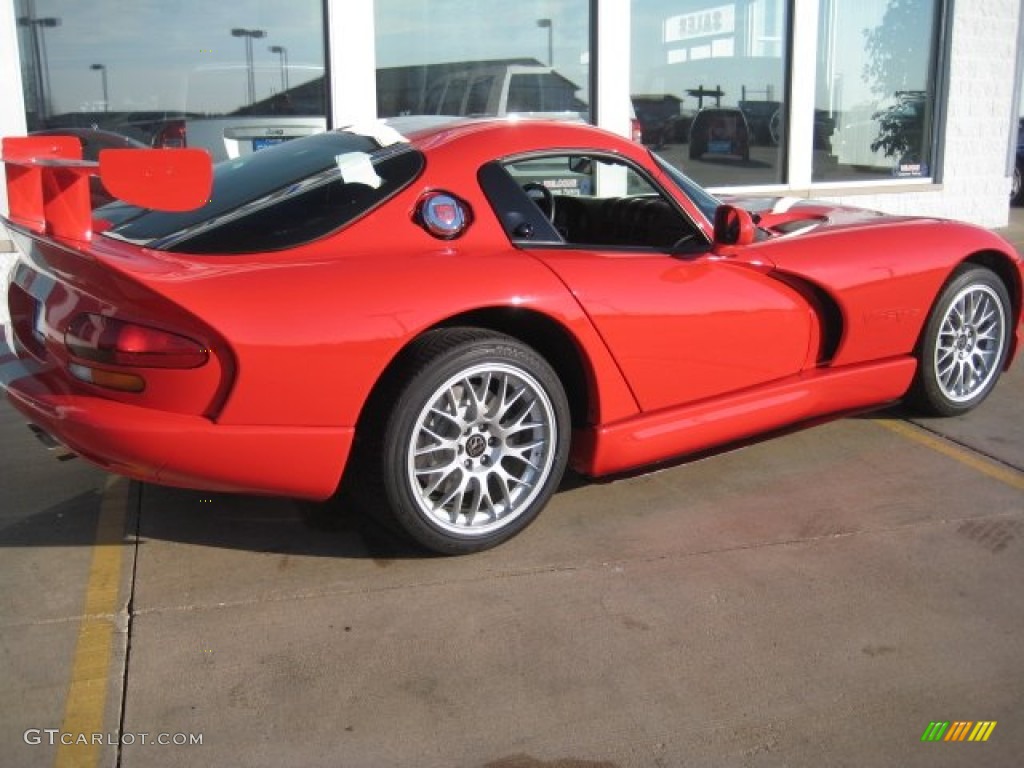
[475, 441]
[964, 345]
[1016, 186]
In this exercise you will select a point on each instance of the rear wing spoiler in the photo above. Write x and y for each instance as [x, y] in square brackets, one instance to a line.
[48, 182]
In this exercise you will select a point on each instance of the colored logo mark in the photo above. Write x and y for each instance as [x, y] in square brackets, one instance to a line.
[959, 730]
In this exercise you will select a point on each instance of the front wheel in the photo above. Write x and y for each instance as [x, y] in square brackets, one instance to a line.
[965, 343]
[476, 441]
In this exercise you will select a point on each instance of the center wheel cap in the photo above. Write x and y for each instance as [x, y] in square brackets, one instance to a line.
[475, 446]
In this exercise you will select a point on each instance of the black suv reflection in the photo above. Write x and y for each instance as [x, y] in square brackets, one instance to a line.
[720, 131]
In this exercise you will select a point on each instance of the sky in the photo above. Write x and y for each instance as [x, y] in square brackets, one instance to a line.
[149, 46]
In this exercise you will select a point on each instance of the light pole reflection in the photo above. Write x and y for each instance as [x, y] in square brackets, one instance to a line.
[39, 59]
[282, 53]
[249, 35]
[102, 69]
[550, 27]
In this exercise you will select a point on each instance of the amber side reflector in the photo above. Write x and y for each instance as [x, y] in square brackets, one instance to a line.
[123, 382]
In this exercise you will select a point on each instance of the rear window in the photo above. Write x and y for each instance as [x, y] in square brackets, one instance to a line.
[279, 197]
[540, 92]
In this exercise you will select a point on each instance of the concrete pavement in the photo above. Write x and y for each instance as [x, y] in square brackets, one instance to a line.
[813, 599]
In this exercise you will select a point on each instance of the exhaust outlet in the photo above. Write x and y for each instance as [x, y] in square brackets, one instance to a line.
[60, 451]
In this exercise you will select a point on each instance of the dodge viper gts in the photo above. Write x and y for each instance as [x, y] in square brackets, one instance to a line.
[451, 312]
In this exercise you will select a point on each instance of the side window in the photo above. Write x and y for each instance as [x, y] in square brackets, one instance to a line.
[601, 202]
[523, 94]
[452, 103]
[479, 92]
[432, 101]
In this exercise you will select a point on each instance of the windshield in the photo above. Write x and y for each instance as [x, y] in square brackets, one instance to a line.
[702, 199]
[277, 197]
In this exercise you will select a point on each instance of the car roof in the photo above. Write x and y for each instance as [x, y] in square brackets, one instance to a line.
[505, 135]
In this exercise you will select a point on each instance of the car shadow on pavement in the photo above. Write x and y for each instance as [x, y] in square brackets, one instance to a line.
[265, 524]
[69, 523]
[337, 528]
[344, 526]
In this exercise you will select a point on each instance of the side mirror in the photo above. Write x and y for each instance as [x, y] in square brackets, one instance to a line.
[581, 165]
[734, 226]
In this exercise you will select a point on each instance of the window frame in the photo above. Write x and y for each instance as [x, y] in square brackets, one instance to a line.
[513, 207]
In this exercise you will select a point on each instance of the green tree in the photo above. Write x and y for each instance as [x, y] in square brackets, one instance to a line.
[898, 72]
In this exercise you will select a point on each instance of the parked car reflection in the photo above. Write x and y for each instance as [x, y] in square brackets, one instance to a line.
[720, 131]
[661, 119]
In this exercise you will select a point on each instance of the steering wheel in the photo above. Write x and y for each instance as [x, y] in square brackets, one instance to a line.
[542, 197]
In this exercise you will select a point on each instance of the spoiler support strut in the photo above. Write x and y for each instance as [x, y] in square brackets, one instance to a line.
[48, 182]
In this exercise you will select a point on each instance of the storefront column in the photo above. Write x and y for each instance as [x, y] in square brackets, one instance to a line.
[800, 131]
[12, 99]
[351, 60]
[612, 19]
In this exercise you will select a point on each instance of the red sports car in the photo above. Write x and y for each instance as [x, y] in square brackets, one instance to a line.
[450, 312]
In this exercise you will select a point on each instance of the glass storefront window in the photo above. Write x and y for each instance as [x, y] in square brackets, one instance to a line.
[230, 77]
[483, 57]
[875, 95]
[708, 86]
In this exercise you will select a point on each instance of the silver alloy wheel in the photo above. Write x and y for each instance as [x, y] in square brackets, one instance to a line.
[970, 343]
[481, 449]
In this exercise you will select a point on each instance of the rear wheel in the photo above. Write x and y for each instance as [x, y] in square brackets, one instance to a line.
[476, 441]
[965, 343]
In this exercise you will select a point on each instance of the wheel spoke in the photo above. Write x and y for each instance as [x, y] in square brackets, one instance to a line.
[450, 399]
[477, 395]
[944, 362]
[522, 427]
[442, 475]
[454, 498]
[439, 443]
[470, 505]
[445, 416]
[516, 456]
[501, 478]
[506, 403]
[512, 482]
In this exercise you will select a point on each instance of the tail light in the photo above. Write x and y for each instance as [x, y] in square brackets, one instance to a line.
[171, 135]
[636, 131]
[108, 341]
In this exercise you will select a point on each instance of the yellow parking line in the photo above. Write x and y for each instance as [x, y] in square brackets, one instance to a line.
[87, 693]
[1011, 477]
